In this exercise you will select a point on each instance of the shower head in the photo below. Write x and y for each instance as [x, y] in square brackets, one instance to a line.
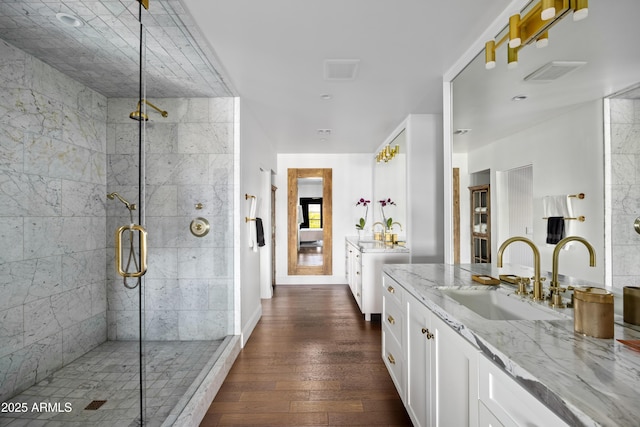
[130, 206]
[140, 116]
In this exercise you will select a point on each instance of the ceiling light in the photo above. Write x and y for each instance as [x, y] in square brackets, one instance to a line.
[519, 98]
[581, 10]
[531, 28]
[512, 58]
[514, 31]
[543, 40]
[69, 20]
[490, 55]
[548, 10]
[326, 96]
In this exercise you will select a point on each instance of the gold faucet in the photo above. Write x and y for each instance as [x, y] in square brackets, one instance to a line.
[537, 281]
[556, 298]
[398, 224]
[377, 235]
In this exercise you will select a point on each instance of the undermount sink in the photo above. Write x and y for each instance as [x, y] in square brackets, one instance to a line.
[494, 305]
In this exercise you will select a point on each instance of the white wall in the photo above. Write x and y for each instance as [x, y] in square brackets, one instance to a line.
[257, 159]
[421, 186]
[352, 178]
[566, 153]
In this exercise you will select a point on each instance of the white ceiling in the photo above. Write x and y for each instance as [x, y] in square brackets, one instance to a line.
[271, 54]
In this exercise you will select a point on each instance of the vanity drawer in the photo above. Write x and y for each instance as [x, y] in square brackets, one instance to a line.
[508, 401]
[392, 290]
[393, 319]
[394, 361]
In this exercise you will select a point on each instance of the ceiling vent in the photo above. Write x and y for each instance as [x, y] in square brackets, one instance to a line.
[341, 69]
[554, 70]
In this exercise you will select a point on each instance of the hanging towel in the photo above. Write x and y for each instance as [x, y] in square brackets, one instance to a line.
[260, 232]
[253, 243]
[560, 206]
[555, 229]
[300, 218]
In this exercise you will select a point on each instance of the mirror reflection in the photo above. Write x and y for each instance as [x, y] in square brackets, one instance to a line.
[309, 248]
[533, 140]
[310, 233]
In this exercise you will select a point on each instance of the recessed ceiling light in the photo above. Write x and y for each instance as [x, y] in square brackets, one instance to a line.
[69, 20]
[519, 98]
[326, 96]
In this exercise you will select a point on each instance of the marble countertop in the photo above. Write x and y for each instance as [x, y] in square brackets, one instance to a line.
[370, 245]
[586, 381]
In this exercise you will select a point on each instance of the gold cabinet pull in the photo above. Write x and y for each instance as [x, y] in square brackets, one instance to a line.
[142, 239]
[391, 359]
[428, 334]
[390, 289]
[391, 320]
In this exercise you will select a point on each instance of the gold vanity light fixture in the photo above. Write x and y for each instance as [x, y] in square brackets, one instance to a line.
[387, 153]
[533, 27]
[140, 116]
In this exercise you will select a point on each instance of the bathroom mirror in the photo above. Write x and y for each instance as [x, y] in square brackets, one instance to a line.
[309, 221]
[504, 119]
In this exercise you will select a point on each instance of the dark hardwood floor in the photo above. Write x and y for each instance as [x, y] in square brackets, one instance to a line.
[312, 360]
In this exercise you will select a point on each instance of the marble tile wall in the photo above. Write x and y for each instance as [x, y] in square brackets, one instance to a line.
[188, 289]
[52, 220]
[625, 186]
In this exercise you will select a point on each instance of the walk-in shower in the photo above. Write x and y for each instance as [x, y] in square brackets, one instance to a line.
[75, 341]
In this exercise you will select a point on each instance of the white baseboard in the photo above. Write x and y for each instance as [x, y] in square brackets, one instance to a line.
[250, 326]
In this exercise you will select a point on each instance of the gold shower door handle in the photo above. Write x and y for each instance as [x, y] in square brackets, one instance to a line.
[142, 236]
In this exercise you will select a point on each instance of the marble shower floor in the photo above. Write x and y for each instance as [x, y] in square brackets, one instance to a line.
[110, 372]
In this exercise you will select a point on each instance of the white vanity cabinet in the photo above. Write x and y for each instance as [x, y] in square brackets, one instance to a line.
[434, 369]
[442, 388]
[364, 261]
[443, 379]
[353, 268]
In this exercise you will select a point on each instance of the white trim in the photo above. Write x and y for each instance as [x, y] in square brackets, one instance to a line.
[447, 149]
[250, 326]
[237, 279]
[608, 203]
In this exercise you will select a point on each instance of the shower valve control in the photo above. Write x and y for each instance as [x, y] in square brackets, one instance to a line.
[199, 227]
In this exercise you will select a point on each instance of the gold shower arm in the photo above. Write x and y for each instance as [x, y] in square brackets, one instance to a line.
[164, 113]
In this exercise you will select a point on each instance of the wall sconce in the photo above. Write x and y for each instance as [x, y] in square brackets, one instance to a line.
[534, 27]
[387, 153]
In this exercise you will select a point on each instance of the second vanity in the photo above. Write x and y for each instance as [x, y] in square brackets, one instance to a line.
[363, 266]
[453, 366]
